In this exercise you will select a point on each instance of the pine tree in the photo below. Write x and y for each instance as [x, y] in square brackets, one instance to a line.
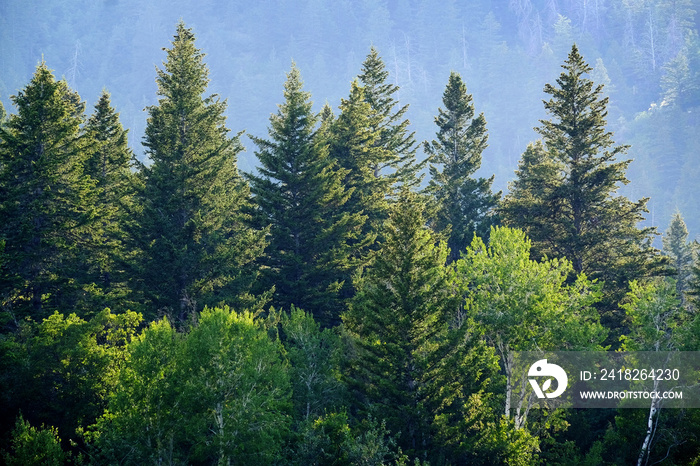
[109, 164]
[565, 194]
[196, 248]
[391, 124]
[300, 194]
[354, 143]
[464, 203]
[48, 202]
[681, 254]
[399, 319]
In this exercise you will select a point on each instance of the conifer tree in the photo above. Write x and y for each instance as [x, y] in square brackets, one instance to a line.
[109, 164]
[300, 194]
[195, 244]
[48, 202]
[681, 254]
[565, 198]
[355, 137]
[391, 124]
[400, 316]
[464, 202]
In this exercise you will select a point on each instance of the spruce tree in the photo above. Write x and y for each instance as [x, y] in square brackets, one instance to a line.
[681, 253]
[195, 246]
[300, 195]
[406, 353]
[354, 143]
[464, 202]
[565, 197]
[48, 202]
[392, 126]
[109, 164]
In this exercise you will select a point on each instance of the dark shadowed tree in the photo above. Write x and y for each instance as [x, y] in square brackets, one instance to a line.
[299, 193]
[464, 202]
[48, 201]
[109, 162]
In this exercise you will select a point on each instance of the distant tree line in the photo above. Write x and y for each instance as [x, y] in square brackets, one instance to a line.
[332, 307]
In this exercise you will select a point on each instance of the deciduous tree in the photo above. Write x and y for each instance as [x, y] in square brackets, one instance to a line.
[565, 195]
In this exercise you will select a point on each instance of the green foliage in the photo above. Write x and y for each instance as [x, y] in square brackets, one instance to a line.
[313, 363]
[655, 314]
[139, 422]
[60, 371]
[464, 203]
[220, 393]
[47, 201]
[394, 136]
[195, 247]
[109, 164]
[329, 440]
[35, 447]
[565, 193]
[300, 195]
[522, 305]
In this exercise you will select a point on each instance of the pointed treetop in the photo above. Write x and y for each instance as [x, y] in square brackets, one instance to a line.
[185, 72]
[44, 95]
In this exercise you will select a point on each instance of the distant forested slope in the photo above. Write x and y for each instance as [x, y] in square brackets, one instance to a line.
[646, 52]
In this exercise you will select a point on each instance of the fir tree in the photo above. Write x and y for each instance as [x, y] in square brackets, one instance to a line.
[354, 143]
[195, 244]
[681, 254]
[300, 194]
[399, 318]
[464, 202]
[391, 124]
[48, 202]
[109, 164]
[565, 193]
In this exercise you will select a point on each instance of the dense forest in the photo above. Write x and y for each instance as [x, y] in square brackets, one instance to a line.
[353, 293]
[644, 51]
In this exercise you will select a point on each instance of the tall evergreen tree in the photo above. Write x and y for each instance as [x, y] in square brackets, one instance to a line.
[355, 137]
[48, 202]
[565, 198]
[300, 194]
[408, 356]
[109, 164]
[464, 203]
[195, 244]
[394, 136]
[681, 253]
[401, 306]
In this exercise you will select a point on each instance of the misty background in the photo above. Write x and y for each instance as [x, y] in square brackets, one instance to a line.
[645, 52]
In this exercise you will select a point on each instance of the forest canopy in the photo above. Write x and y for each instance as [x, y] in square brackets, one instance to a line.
[352, 300]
